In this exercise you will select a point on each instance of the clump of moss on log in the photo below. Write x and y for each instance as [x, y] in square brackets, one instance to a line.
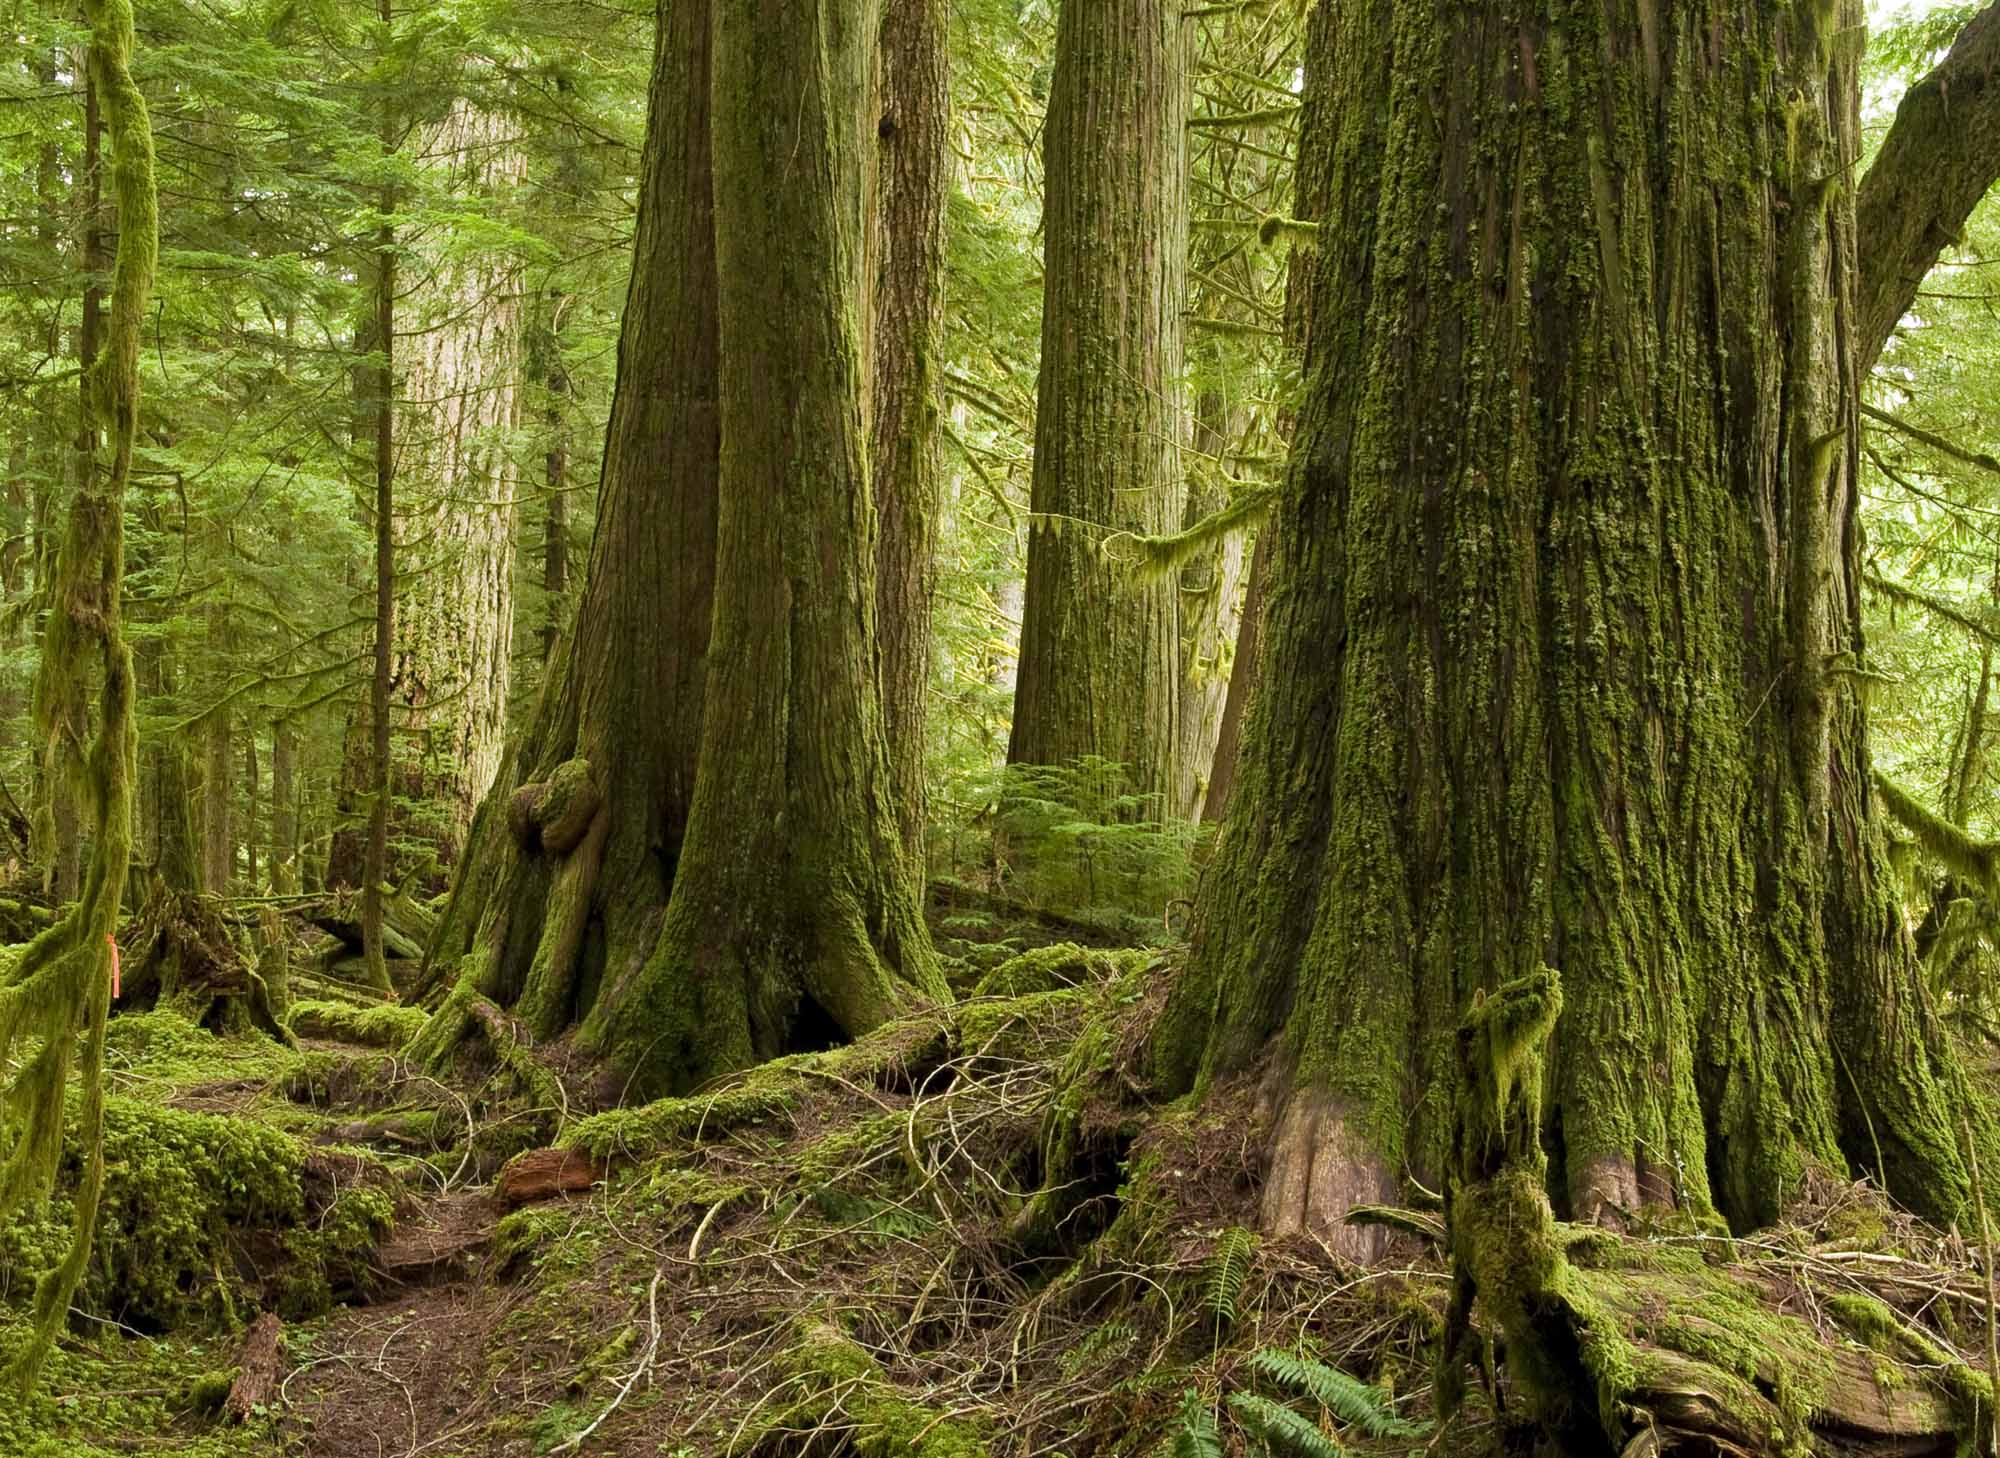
[388, 1025]
[188, 1201]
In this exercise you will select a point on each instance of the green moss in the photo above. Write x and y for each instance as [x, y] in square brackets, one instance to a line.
[833, 1382]
[1048, 969]
[178, 1188]
[332, 1252]
[118, 1394]
[388, 1025]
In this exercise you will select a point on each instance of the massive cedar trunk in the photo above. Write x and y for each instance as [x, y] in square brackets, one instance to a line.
[1100, 656]
[794, 916]
[1558, 663]
[458, 360]
[700, 861]
[564, 883]
[906, 275]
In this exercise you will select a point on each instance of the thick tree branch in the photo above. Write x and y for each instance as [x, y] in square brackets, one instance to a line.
[1940, 157]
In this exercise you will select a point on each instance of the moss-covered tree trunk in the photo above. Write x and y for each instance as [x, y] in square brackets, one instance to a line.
[694, 855]
[1100, 654]
[795, 916]
[565, 879]
[1558, 663]
[912, 158]
[55, 997]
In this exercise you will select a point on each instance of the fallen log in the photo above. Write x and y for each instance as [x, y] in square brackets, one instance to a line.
[256, 1370]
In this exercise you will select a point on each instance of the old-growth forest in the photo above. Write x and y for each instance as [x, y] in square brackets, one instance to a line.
[999, 728]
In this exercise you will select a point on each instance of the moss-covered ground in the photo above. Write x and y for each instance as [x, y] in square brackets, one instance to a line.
[975, 1232]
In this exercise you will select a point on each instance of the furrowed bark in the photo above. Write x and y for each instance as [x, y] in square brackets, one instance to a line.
[621, 705]
[1564, 616]
[794, 919]
[912, 161]
[1100, 657]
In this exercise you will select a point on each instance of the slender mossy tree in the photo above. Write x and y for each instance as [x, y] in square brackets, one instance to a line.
[56, 993]
[1561, 659]
[1100, 657]
[694, 854]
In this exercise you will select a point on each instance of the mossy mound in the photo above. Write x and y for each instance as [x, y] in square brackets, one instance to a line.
[205, 1218]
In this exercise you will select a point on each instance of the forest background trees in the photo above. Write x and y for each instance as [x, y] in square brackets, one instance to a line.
[1080, 253]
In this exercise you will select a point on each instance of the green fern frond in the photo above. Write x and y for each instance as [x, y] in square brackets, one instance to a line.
[1283, 1432]
[1355, 1403]
[1098, 1343]
[1228, 1270]
[1194, 1435]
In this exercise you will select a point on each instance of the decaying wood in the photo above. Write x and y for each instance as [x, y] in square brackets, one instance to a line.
[542, 1174]
[256, 1369]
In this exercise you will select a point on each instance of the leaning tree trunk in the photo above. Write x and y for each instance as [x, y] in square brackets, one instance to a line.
[458, 359]
[1100, 655]
[1560, 657]
[906, 266]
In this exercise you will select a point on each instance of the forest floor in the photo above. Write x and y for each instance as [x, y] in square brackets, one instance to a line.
[973, 1232]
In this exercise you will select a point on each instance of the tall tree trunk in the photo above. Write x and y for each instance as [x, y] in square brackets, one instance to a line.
[58, 823]
[539, 920]
[912, 159]
[177, 852]
[1563, 620]
[1242, 678]
[381, 771]
[1210, 587]
[1100, 655]
[792, 917]
[218, 831]
[795, 917]
[555, 464]
[251, 792]
[284, 854]
[458, 360]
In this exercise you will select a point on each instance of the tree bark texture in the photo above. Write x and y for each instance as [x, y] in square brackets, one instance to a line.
[912, 159]
[792, 917]
[1100, 654]
[459, 346]
[542, 926]
[1564, 616]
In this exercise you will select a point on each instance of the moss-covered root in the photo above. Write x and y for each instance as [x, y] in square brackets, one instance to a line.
[439, 1036]
[832, 1384]
[387, 1025]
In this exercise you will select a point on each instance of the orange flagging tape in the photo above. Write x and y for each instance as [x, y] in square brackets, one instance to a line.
[114, 964]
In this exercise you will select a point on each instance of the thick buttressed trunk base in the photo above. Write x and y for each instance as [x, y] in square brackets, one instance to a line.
[1611, 1344]
[1560, 658]
[693, 858]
